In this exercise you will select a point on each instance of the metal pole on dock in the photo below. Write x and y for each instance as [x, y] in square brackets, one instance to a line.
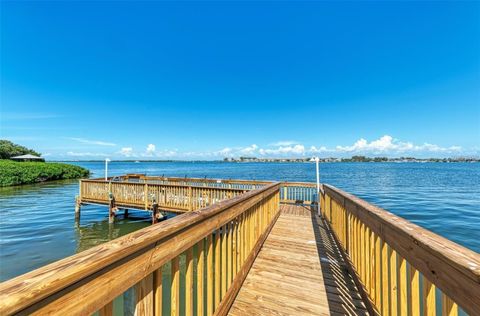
[106, 168]
[317, 163]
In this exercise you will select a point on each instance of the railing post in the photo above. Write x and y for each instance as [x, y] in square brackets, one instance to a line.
[330, 207]
[190, 199]
[347, 226]
[80, 188]
[145, 196]
[154, 212]
[165, 196]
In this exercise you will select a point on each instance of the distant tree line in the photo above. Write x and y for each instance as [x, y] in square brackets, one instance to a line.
[9, 149]
[365, 159]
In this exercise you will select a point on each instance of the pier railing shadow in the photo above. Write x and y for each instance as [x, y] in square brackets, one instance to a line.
[342, 293]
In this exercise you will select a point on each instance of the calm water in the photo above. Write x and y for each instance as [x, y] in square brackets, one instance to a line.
[37, 221]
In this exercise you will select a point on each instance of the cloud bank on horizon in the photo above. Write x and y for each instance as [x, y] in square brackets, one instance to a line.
[383, 146]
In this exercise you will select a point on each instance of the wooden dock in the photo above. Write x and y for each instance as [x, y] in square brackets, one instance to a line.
[158, 195]
[268, 250]
[299, 271]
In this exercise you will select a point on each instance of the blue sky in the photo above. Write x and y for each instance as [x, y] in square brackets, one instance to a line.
[207, 80]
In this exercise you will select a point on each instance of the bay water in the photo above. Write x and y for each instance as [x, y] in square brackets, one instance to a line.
[37, 224]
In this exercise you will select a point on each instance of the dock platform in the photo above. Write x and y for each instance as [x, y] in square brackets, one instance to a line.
[299, 271]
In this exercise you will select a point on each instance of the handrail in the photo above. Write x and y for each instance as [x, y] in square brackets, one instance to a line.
[381, 245]
[158, 184]
[299, 184]
[198, 180]
[90, 280]
[179, 197]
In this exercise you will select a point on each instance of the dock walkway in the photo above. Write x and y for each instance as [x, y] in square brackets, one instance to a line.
[299, 271]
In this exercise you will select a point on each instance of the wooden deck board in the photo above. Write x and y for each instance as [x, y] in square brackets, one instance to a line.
[299, 271]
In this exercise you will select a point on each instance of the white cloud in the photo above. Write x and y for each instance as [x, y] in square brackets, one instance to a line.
[321, 149]
[387, 144]
[126, 151]
[284, 150]
[167, 153]
[225, 152]
[249, 150]
[150, 149]
[284, 143]
[91, 142]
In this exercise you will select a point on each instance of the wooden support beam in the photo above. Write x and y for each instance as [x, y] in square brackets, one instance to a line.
[78, 205]
[154, 213]
[111, 209]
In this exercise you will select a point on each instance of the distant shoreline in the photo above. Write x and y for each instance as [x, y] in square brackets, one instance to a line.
[297, 160]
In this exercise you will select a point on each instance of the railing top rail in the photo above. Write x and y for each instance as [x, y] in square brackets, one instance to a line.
[450, 266]
[25, 290]
[299, 184]
[161, 185]
[207, 180]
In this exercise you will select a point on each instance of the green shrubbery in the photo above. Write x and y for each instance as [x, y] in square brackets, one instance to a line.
[15, 173]
[9, 149]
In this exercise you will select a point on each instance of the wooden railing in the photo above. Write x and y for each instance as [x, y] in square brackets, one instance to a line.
[207, 254]
[143, 195]
[204, 182]
[401, 265]
[183, 193]
[298, 192]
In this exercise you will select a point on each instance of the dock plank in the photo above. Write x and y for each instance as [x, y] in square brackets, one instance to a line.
[299, 271]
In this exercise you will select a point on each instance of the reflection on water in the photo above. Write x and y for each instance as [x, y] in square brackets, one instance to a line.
[94, 234]
[37, 222]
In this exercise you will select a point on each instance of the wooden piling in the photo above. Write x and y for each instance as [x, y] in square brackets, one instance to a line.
[154, 213]
[78, 204]
[111, 209]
